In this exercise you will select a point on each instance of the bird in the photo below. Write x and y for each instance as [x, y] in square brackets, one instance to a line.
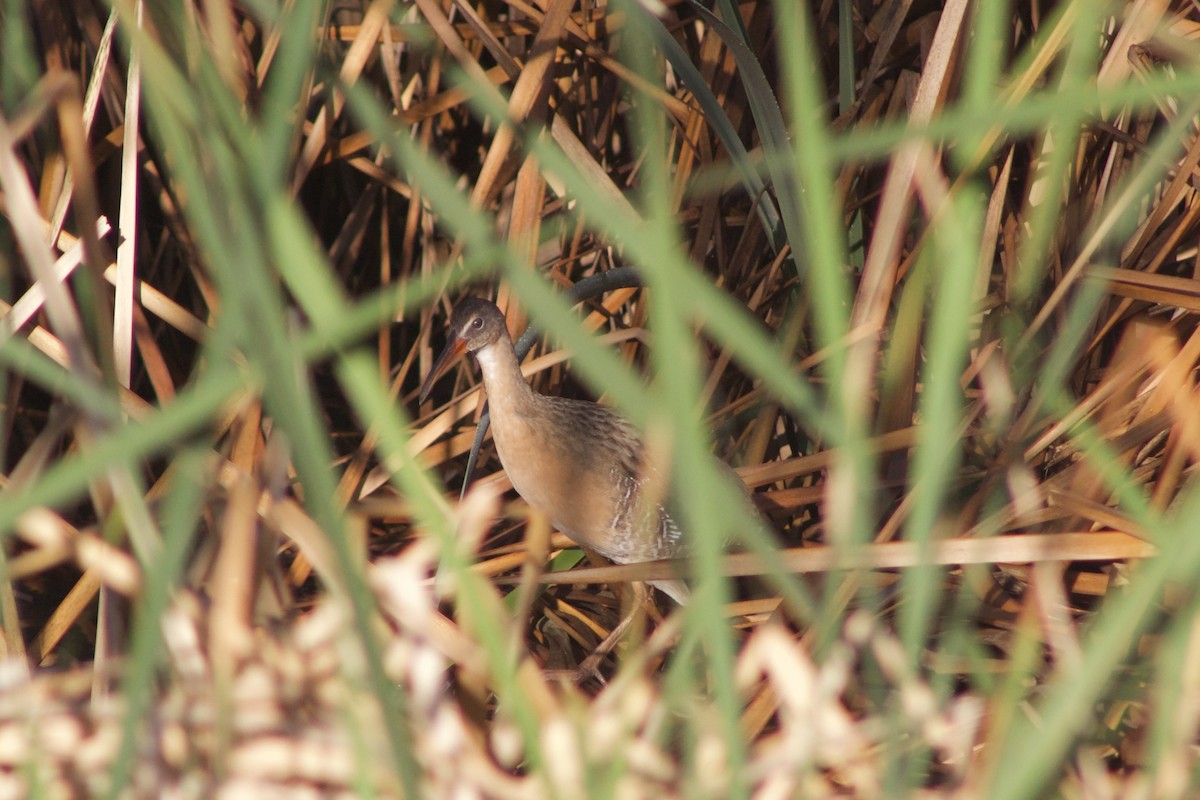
[579, 461]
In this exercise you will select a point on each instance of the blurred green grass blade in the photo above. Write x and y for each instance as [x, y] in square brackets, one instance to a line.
[18, 355]
[1027, 117]
[180, 516]
[982, 68]
[823, 227]
[301, 264]
[170, 93]
[703, 501]
[846, 70]
[278, 123]
[846, 427]
[1045, 198]
[1172, 682]
[19, 67]
[675, 415]
[846, 100]
[952, 258]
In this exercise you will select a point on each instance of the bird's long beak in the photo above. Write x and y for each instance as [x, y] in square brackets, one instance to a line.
[450, 354]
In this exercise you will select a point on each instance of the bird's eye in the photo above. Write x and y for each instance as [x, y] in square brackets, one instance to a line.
[477, 323]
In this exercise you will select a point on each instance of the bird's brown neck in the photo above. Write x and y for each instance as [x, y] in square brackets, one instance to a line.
[502, 373]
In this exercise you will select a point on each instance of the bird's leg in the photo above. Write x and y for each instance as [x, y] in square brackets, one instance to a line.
[589, 667]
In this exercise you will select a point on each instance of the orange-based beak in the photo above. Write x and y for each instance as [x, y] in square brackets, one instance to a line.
[452, 352]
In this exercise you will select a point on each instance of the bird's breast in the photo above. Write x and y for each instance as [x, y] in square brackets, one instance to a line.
[584, 491]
